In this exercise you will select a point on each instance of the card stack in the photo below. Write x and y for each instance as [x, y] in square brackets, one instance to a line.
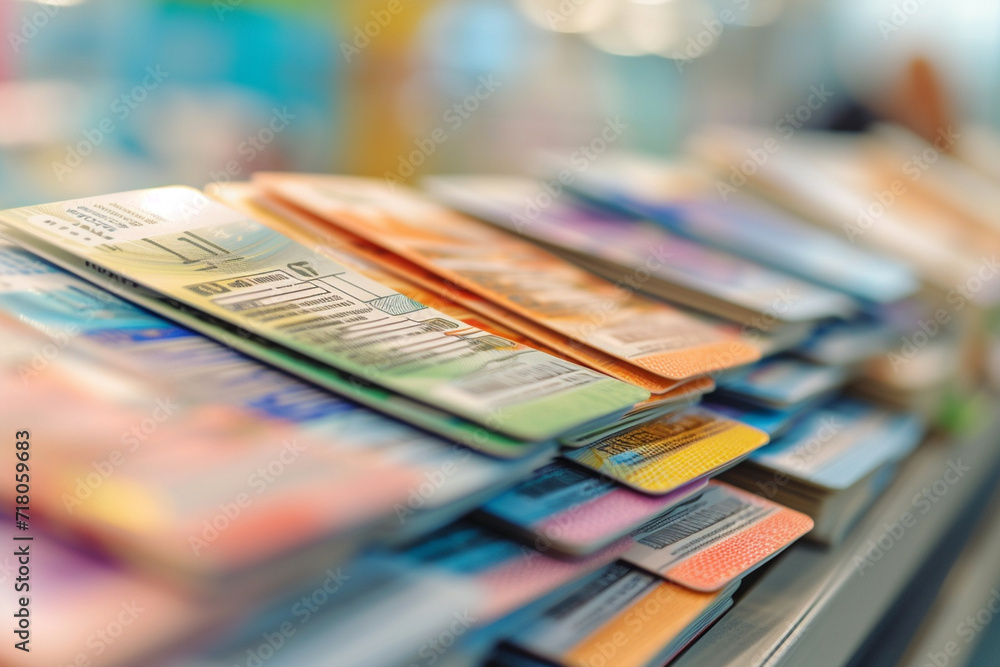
[316, 419]
[821, 311]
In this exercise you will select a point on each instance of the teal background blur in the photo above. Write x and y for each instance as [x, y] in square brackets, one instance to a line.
[370, 86]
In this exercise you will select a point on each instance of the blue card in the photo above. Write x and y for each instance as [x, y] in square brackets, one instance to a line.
[783, 382]
[836, 446]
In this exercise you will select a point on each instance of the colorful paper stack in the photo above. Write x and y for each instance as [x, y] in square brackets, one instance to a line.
[819, 308]
[313, 420]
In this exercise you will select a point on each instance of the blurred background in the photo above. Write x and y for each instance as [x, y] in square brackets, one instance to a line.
[99, 96]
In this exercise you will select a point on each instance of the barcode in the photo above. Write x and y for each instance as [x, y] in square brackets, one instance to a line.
[549, 481]
[661, 437]
[686, 525]
[614, 572]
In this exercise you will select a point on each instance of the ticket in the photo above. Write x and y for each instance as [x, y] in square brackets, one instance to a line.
[667, 453]
[708, 542]
[176, 243]
[520, 276]
[404, 275]
[613, 244]
[625, 617]
[575, 511]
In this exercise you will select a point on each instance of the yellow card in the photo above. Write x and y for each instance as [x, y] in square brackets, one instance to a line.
[664, 454]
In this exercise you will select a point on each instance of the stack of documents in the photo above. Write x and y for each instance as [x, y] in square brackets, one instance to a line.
[894, 193]
[284, 426]
[836, 307]
[315, 419]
